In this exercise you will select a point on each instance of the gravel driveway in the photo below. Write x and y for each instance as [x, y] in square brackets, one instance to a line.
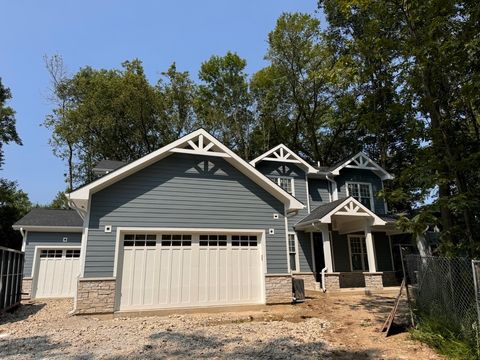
[325, 327]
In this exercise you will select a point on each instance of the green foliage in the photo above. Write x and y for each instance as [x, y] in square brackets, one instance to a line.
[445, 339]
[14, 204]
[8, 131]
[60, 201]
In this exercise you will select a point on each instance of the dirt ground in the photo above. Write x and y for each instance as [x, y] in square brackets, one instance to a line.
[341, 326]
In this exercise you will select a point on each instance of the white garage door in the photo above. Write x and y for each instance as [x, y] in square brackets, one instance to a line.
[57, 273]
[183, 270]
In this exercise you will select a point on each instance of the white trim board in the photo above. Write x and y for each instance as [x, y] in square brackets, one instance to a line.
[281, 153]
[199, 142]
[363, 162]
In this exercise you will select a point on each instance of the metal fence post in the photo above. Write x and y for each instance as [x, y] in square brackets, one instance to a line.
[475, 284]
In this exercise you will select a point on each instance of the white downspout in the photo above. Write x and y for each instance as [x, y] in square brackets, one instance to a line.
[24, 238]
[324, 270]
[334, 188]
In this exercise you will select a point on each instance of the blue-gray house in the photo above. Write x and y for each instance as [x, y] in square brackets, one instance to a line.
[194, 225]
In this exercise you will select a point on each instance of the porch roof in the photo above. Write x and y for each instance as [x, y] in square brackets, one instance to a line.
[345, 208]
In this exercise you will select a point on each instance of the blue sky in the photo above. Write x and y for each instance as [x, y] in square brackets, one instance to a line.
[102, 34]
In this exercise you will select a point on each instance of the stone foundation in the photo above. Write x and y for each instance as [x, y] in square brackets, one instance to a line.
[278, 289]
[373, 281]
[332, 281]
[26, 288]
[308, 279]
[95, 296]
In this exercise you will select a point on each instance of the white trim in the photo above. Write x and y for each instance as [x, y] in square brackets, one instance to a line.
[277, 181]
[372, 261]
[332, 250]
[81, 195]
[121, 230]
[297, 256]
[362, 161]
[83, 253]
[308, 193]
[286, 239]
[281, 153]
[391, 251]
[49, 228]
[372, 202]
[36, 262]
[354, 205]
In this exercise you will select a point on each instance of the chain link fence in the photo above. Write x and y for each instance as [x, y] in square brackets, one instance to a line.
[444, 289]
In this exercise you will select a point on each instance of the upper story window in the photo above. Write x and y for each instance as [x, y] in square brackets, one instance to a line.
[285, 183]
[361, 192]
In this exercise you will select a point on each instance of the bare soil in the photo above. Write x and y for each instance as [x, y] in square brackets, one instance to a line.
[327, 327]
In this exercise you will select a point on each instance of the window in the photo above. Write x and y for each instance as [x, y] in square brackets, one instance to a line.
[213, 240]
[292, 250]
[358, 253]
[73, 253]
[139, 240]
[361, 192]
[285, 183]
[176, 240]
[51, 253]
[244, 240]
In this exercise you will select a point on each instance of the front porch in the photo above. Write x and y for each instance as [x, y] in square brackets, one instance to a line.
[351, 247]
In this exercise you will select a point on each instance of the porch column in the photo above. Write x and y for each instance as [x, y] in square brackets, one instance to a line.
[372, 267]
[327, 249]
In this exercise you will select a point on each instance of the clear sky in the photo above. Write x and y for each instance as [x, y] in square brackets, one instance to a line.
[103, 34]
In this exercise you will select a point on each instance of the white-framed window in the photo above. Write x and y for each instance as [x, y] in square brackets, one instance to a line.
[358, 253]
[285, 183]
[361, 192]
[292, 251]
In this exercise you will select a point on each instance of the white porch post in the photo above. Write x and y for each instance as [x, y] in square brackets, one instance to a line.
[372, 267]
[327, 249]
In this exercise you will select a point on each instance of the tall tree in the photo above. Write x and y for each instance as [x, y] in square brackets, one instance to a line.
[14, 204]
[223, 102]
[430, 44]
[8, 130]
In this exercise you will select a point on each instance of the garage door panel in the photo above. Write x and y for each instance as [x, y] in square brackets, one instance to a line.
[57, 272]
[190, 270]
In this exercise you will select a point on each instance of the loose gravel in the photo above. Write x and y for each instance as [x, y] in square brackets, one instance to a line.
[45, 330]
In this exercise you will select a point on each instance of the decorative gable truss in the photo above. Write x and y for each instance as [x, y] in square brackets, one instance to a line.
[363, 162]
[199, 145]
[281, 153]
[352, 209]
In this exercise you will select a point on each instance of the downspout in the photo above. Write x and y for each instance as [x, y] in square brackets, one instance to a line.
[24, 238]
[324, 270]
[333, 187]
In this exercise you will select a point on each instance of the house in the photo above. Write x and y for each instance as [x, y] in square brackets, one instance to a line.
[193, 225]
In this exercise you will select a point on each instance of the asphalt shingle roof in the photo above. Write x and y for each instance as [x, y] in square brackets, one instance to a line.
[108, 165]
[322, 210]
[51, 217]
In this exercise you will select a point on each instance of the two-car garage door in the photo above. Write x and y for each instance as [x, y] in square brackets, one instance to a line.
[165, 270]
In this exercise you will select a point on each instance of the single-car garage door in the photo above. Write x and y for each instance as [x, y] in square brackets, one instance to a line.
[57, 273]
[183, 270]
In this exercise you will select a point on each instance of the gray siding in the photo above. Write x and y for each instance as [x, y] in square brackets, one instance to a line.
[366, 176]
[382, 251]
[183, 191]
[318, 192]
[280, 169]
[46, 239]
[340, 252]
[305, 252]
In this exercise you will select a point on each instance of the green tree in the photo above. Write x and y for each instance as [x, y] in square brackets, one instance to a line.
[60, 201]
[14, 204]
[8, 131]
[433, 51]
[223, 103]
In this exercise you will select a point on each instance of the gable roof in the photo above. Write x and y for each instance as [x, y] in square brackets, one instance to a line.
[105, 166]
[361, 161]
[284, 154]
[199, 142]
[56, 218]
[346, 206]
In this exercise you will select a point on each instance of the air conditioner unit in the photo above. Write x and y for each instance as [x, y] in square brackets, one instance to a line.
[298, 289]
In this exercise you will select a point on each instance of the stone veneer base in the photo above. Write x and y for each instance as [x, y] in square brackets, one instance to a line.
[278, 289]
[26, 288]
[95, 296]
[308, 279]
[332, 281]
[373, 281]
